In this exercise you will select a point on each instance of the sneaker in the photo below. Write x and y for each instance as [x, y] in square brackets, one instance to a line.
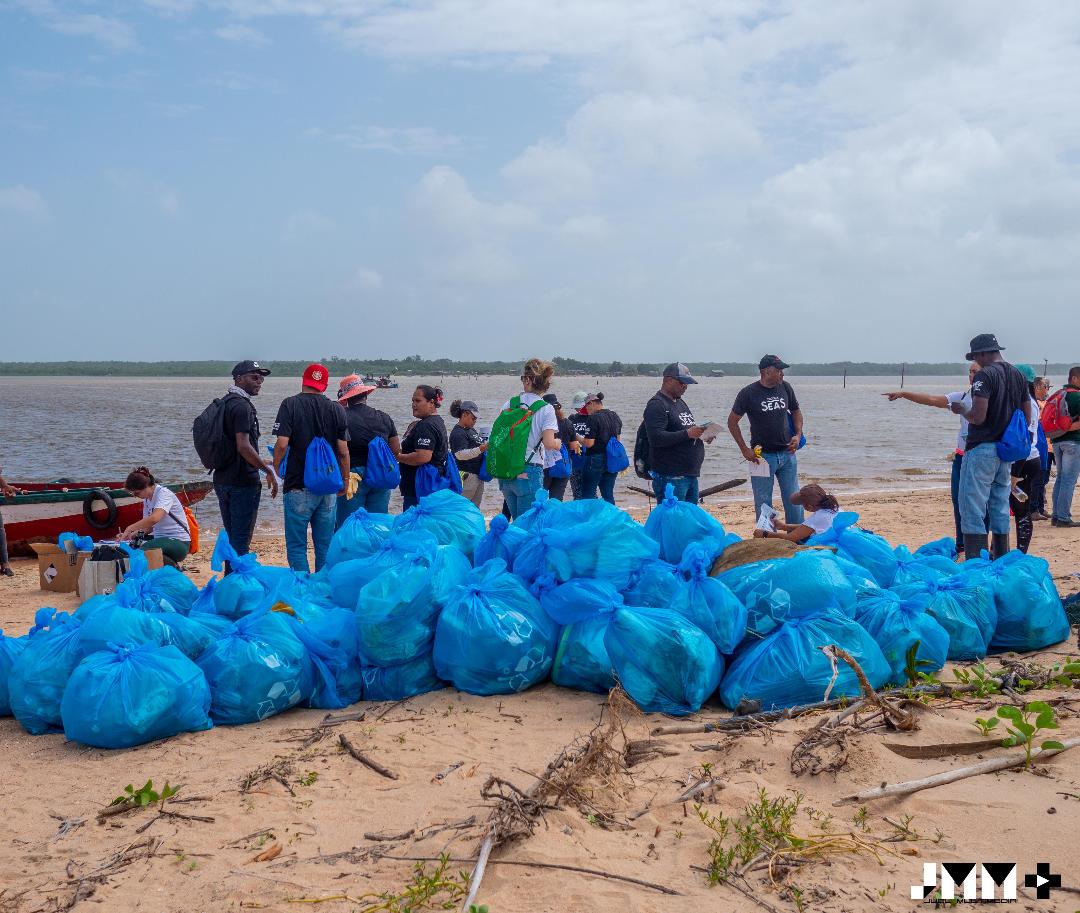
[1018, 494]
[1068, 524]
[1039, 515]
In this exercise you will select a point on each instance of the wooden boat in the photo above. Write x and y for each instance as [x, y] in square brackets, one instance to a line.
[97, 509]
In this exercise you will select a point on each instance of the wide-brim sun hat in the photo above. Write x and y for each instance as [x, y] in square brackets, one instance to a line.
[352, 385]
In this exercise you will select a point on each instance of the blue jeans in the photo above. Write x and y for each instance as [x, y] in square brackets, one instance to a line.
[784, 467]
[520, 493]
[686, 487]
[239, 506]
[984, 491]
[373, 500]
[1067, 457]
[303, 509]
[595, 476]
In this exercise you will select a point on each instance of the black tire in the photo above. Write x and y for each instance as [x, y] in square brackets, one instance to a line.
[99, 494]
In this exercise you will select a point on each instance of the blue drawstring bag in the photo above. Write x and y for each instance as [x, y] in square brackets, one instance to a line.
[664, 662]
[284, 468]
[944, 547]
[861, 546]
[484, 475]
[128, 695]
[256, 669]
[450, 518]
[788, 668]
[395, 683]
[430, 480]
[348, 578]
[381, 470]
[241, 591]
[1015, 443]
[615, 458]
[1030, 612]
[10, 650]
[1043, 446]
[710, 604]
[791, 432]
[561, 469]
[896, 624]
[674, 524]
[322, 473]
[41, 672]
[492, 636]
[963, 606]
[358, 537]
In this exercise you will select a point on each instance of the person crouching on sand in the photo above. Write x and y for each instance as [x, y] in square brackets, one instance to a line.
[163, 517]
[821, 509]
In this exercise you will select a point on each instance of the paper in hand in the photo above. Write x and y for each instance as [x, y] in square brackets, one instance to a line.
[767, 519]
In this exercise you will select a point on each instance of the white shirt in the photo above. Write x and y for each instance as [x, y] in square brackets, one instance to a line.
[542, 420]
[820, 521]
[167, 526]
[965, 398]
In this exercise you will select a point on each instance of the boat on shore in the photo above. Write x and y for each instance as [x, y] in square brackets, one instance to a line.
[97, 509]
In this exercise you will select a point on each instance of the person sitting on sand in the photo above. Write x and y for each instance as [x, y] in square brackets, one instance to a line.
[163, 517]
[821, 509]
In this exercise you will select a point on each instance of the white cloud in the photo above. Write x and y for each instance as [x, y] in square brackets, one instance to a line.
[107, 31]
[424, 141]
[238, 33]
[24, 201]
[169, 201]
[304, 224]
[238, 81]
[365, 279]
[586, 228]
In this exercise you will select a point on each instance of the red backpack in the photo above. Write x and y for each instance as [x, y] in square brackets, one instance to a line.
[1055, 418]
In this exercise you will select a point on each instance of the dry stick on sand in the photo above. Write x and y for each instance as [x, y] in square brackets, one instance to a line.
[364, 759]
[1014, 759]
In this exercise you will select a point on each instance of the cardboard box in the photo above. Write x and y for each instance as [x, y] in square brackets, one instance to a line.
[58, 570]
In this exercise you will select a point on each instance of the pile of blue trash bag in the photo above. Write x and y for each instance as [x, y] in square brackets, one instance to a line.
[576, 592]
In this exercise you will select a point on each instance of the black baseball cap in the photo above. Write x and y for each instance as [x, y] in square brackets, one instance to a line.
[984, 342]
[772, 361]
[680, 372]
[552, 399]
[249, 367]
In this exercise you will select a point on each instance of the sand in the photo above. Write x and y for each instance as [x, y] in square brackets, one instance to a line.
[323, 818]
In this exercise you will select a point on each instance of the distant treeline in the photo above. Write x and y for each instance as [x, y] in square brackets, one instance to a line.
[416, 366]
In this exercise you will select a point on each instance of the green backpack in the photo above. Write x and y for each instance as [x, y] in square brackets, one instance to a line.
[509, 440]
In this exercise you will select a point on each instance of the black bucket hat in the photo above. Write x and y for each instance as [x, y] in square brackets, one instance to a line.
[984, 342]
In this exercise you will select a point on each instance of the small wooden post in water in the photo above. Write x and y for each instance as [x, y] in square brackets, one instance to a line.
[903, 369]
[845, 378]
[1046, 364]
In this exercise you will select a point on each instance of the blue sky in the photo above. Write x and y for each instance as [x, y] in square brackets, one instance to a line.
[636, 179]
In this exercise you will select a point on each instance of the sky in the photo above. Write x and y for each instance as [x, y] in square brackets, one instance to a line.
[485, 179]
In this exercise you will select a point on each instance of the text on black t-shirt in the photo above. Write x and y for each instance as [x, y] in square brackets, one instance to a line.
[425, 434]
[767, 409]
[1005, 390]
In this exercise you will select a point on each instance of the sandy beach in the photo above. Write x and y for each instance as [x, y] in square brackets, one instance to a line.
[277, 816]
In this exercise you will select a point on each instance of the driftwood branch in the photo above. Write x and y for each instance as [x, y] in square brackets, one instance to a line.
[1013, 759]
[364, 759]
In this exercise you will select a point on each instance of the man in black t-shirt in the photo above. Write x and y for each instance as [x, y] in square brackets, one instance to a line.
[579, 422]
[676, 450]
[997, 391]
[237, 484]
[775, 433]
[300, 420]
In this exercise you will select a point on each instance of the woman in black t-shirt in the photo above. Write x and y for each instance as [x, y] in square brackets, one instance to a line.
[468, 448]
[555, 486]
[425, 441]
[603, 425]
[365, 424]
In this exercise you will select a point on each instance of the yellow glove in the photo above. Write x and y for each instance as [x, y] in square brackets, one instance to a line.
[353, 486]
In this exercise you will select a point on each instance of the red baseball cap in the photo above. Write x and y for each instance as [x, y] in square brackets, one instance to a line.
[317, 377]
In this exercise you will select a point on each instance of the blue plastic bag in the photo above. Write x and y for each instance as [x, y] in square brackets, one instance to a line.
[381, 470]
[710, 604]
[912, 569]
[450, 518]
[658, 584]
[964, 607]
[945, 547]
[395, 683]
[788, 668]
[664, 662]
[41, 672]
[129, 695]
[359, 536]
[861, 546]
[329, 634]
[896, 624]
[322, 473]
[396, 614]
[1015, 442]
[561, 469]
[500, 541]
[1030, 613]
[615, 458]
[492, 636]
[674, 524]
[10, 649]
[348, 578]
[256, 669]
[241, 591]
[82, 543]
[163, 590]
[121, 624]
[585, 607]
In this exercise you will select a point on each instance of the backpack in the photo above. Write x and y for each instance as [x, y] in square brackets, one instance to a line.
[1055, 418]
[615, 456]
[1015, 443]
[430, 480]
[191, 525]
[382, 469]
[509, 440]
[562, 468]
[483, 474]
[642, 461]
[208, 433]
[322, 474]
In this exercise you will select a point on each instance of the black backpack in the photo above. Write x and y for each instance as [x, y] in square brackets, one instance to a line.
[208, 433]
[642, 460]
